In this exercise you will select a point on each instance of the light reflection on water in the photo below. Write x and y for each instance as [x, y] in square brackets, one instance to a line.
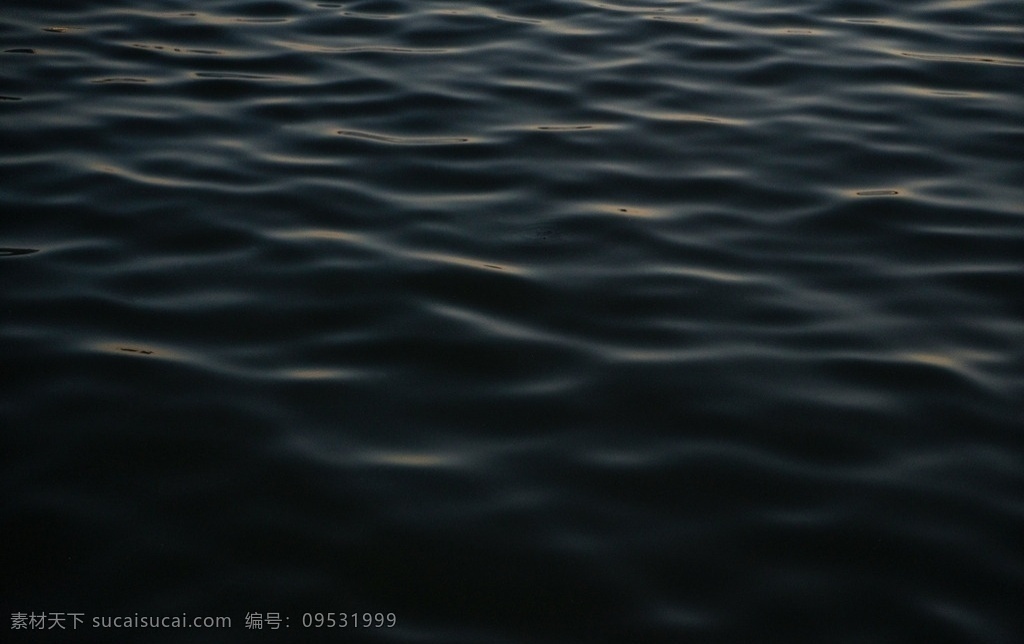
[534, 321]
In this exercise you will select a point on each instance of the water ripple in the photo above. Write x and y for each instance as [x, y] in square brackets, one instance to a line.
[528, 320]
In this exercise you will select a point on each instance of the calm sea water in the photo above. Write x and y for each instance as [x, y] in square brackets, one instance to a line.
[523, 320]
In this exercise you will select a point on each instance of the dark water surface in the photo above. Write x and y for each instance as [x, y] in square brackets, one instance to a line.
[524, 320]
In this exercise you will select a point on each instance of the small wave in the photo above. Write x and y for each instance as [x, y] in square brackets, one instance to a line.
[382, 49]
[954, 58]
[403, 140]
[237, 76]
[877, 193]
[121, 79]
[15, 252]
[178, 50]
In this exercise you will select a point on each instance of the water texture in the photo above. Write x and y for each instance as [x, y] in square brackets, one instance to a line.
[524, 320]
